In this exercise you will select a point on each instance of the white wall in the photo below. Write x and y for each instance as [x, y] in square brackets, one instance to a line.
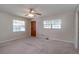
[6, 33]
[78, 30]
[67, 33]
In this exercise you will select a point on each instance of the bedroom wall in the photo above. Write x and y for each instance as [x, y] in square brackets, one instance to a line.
[6, 33]
[66, 33]
[78, 31]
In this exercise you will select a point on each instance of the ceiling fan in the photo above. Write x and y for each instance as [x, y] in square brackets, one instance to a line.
[32, 13]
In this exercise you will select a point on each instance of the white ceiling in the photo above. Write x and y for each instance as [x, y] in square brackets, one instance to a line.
[45, 9]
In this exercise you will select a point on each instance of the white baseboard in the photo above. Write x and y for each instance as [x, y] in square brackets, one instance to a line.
[51, 38]
[64, 41]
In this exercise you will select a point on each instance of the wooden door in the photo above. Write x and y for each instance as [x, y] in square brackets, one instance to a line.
[33, 28]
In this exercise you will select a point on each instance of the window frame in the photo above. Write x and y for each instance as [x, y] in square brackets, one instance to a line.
[53, 24]
[17, 26]
[46, 24]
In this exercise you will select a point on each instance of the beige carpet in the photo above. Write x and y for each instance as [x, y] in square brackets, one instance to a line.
[38, 46]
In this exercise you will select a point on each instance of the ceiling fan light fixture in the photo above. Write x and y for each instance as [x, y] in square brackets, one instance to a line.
[30, 15]
[32, 11]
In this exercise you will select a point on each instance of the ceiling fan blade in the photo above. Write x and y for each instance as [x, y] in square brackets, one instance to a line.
[38, 13]
[26, 15]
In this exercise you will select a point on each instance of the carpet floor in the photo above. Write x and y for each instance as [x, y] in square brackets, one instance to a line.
[38, 46]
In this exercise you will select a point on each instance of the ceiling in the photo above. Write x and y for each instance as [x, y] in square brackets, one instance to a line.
[45, 9]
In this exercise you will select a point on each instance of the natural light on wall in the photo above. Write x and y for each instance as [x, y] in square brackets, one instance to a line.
[52, 24]
[18, 26]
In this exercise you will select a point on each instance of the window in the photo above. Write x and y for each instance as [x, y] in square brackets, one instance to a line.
[47, 24]
[52, 24]
[18, 25]
[56, 24]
